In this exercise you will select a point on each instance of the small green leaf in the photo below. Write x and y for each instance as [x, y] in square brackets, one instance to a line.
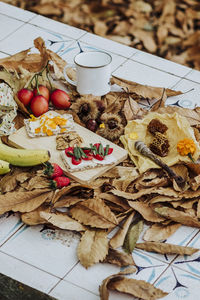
[132, 236]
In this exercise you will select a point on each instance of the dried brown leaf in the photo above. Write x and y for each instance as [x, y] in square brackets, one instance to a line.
[198, 209]
[24, 201]
[95, 213]
[92, 248]
[132, 110]
[119, 258]
[146, 211]
[194, 167]
[137, 288]
[10, 181]
[195, 183]
[67, 201]
[103, 289]
[143, 91]
[37, 182]
[118, 239]
[192, 115]
[67, 190]
[178, 216]
[114, 199]
[166, 248]
[160, 232]
[62, 221]
[33, 217]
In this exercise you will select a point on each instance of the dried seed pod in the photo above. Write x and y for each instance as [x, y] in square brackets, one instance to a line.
[156, 126]
[160, 145]
[85, 109]
[112, 128]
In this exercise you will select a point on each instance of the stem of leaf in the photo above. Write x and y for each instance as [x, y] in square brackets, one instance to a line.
[192, 159]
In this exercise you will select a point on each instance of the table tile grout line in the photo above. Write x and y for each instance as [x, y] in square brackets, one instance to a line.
[175, 259]
[11, 235]
[5, 53]
[1, 40]
[119, 66]
[127, 57]
[82, 288]
[62, 278]
[159, 259]
[43, 28]
[74, 285]
[161, 274]
[1, 13]
[184, 78]
[29, 264]
[155, 68]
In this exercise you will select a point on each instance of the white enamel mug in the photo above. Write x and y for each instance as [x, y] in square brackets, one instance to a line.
[93, 71]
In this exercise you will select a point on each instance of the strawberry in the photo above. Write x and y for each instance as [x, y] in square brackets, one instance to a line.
[59, 182]
[53, 170]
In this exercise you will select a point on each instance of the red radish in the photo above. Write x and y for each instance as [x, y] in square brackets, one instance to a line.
[86, 151]
[59, 182]
[25, 96]
[60, 99]
[89, 157]
[43, 90]
[110, 151]
[76, 161]
[97, 146]
[39, 105]
[53, 170]
[69, 151]
[98, 157]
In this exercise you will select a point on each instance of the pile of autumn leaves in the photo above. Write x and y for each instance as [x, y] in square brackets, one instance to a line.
[122, 200]
[110, 213]
[167, 28]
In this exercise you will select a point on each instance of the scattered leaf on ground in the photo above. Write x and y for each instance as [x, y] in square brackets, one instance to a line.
[92, 248]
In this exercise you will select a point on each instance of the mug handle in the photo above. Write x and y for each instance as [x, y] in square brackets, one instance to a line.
[73, 82]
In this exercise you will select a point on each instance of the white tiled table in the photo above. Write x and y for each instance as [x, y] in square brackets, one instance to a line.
[46, 259]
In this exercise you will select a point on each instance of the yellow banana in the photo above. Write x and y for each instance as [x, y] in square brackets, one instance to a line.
[23, 157]
[4, 167]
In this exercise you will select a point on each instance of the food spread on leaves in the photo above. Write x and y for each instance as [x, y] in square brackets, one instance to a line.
[81, 158]
[125, 197]
[48, 124]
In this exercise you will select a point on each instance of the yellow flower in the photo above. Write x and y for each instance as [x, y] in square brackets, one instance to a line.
[133, 135]
[102, 125]
[186, 147]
